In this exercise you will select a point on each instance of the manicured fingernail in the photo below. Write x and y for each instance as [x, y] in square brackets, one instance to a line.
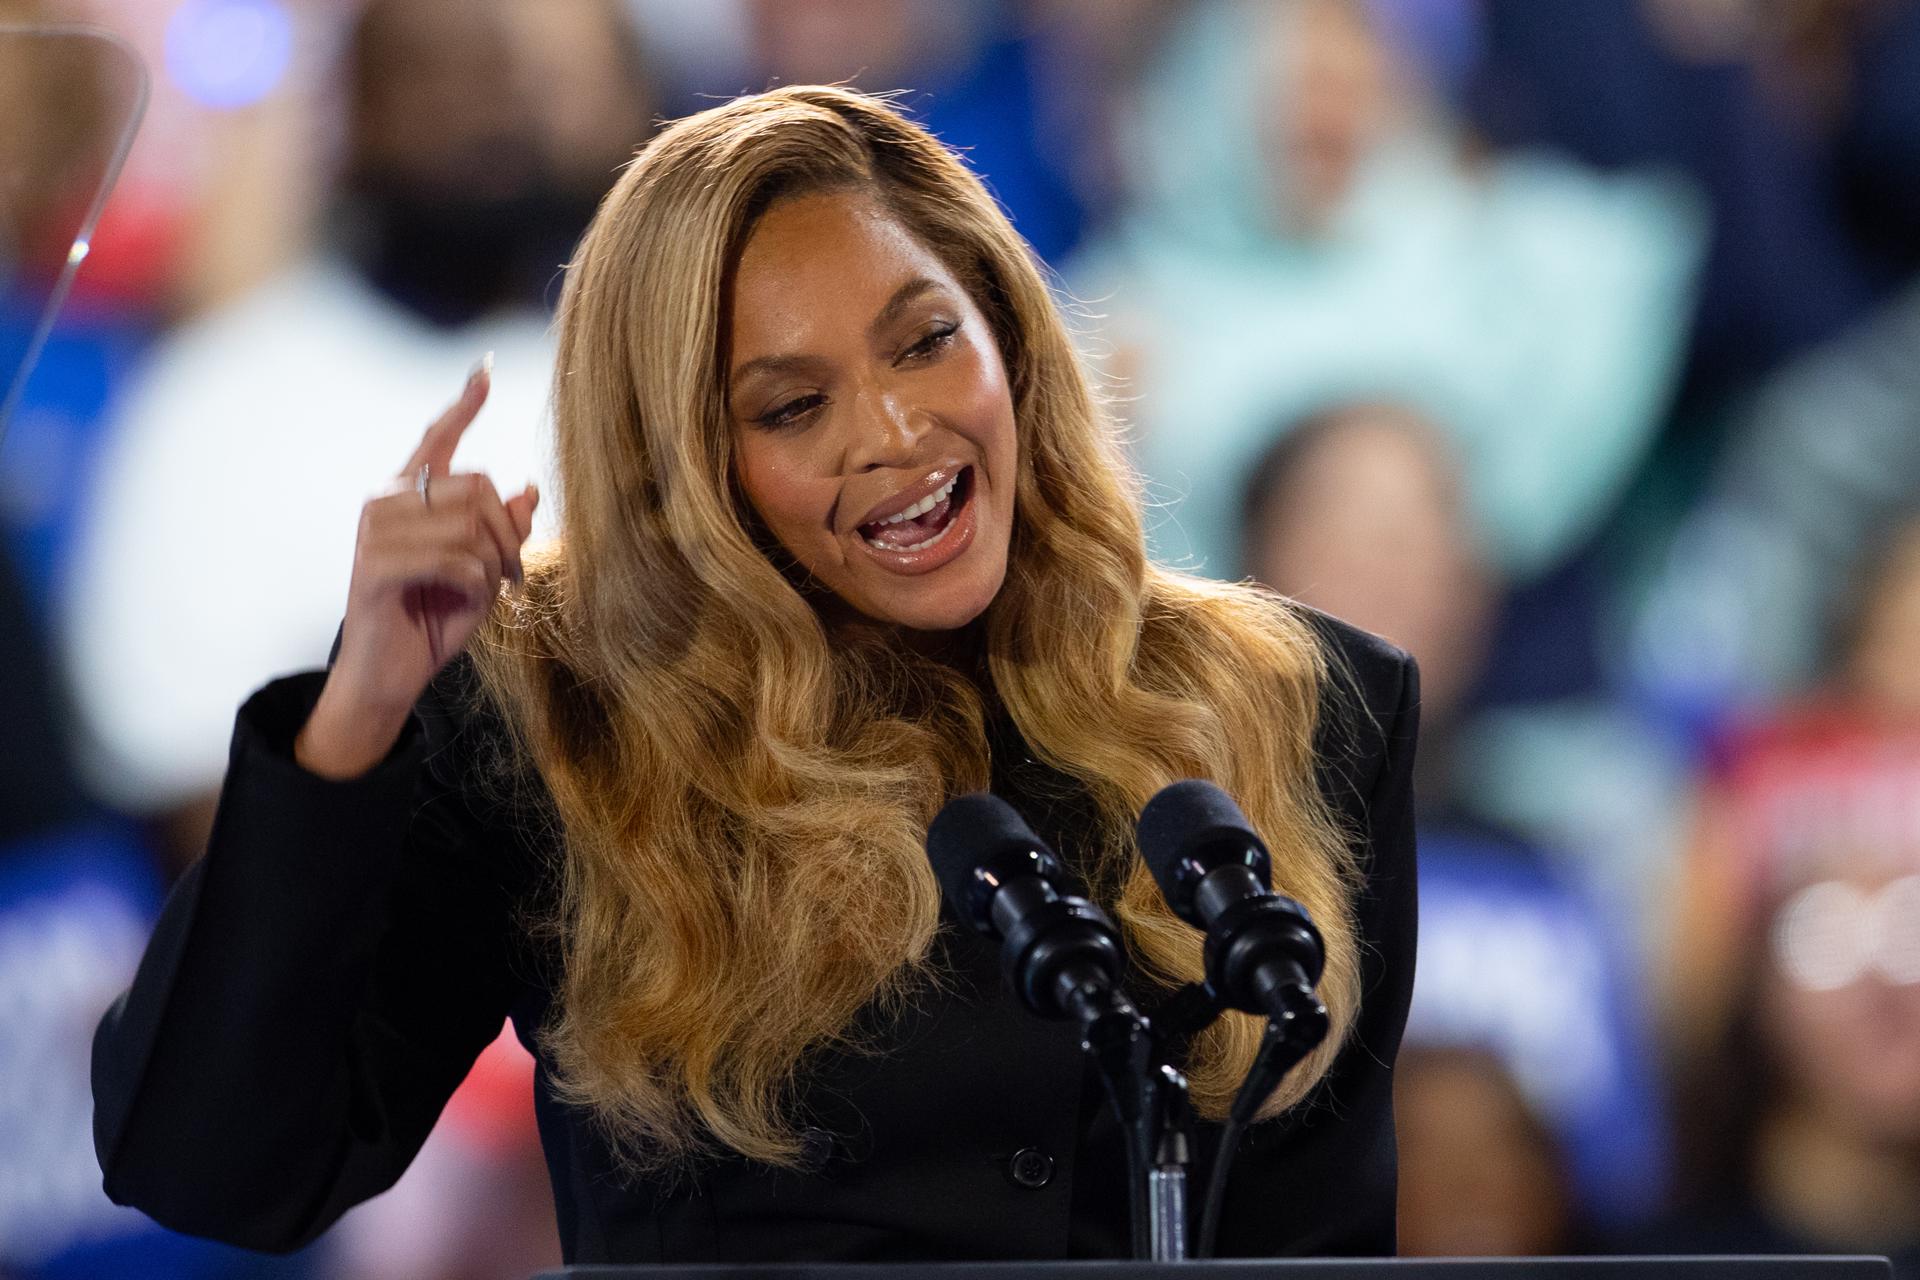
[485, 366]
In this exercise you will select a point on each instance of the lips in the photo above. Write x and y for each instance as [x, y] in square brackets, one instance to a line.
[957, 520]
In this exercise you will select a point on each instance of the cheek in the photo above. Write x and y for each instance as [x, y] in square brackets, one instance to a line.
[785, 489]
[995, 403]
[973, 392]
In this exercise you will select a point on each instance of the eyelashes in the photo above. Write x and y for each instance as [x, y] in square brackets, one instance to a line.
[798, 408]
[935, 341]
[792, 411]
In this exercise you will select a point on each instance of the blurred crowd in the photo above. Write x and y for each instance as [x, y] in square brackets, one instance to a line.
[1573, 345]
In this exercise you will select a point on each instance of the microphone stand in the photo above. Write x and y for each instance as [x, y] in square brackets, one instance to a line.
[1149, 1098]
[1171, 1132]
[1148, 1094]
[1135, 1057]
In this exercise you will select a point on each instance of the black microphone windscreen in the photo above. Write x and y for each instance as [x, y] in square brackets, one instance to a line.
[971, 830]
[1185, 819]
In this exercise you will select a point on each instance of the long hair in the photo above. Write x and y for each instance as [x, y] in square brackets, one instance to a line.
[743, 794]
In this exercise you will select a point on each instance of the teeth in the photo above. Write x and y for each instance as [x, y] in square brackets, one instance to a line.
[923, 506]
[918, 546]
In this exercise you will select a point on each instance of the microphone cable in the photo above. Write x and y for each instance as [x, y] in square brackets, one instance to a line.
[1285, 1042]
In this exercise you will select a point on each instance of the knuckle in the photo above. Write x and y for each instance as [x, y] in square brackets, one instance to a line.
[376, 518]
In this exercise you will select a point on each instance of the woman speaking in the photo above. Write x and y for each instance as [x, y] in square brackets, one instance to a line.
[845, 533]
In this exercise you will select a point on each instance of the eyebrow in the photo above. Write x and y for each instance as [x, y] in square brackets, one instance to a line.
[902, 298]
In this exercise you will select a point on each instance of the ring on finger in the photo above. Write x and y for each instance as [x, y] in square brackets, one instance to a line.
[420, 483]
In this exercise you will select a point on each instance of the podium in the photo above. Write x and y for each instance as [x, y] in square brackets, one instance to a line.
[1648, 1268]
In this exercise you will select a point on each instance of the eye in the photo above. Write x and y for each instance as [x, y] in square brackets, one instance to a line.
[931, 343]
[792, 411]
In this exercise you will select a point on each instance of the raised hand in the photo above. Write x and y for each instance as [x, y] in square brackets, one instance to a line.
[427, 568]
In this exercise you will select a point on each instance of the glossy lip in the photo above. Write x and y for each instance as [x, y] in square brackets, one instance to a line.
[960, 530]
[896, 503]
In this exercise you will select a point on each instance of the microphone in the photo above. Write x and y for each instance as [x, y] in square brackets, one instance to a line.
[1263, 953]
[1062, 956]
[1060, 952]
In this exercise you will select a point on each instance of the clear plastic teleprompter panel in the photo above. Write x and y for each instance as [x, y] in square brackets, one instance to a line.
[71, 98]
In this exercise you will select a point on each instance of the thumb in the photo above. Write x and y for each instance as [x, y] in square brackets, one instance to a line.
[520, 508]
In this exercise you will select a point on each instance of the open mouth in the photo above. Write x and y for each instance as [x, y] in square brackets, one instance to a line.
[926, 523]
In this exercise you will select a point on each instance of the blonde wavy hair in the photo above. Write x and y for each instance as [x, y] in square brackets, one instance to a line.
[742, 792]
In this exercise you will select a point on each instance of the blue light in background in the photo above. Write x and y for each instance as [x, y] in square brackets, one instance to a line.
[229, 53]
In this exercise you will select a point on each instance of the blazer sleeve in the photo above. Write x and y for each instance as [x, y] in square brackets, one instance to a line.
[316, 987]
[1321, 1180]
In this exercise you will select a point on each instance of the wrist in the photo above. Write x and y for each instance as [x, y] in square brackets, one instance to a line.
[345, 738]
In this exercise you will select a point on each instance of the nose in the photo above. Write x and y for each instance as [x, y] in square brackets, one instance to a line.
[885, 430]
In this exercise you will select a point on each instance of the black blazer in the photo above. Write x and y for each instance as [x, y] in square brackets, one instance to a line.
[319, 983]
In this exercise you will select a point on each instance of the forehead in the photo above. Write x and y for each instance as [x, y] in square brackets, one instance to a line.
[820, 266]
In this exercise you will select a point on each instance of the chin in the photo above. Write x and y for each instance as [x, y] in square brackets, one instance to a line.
[948, 614]
[932, 606]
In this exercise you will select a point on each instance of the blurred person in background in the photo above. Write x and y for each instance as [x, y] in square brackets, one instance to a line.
[479, 135]
[1309, 227]
[1305, 226]
[1362, 508]
[1357, 510]
[1795, 1010]
[1526, 1103]
[1481, 1173]
[1526, 1109]
[74, 909]
[78, 895]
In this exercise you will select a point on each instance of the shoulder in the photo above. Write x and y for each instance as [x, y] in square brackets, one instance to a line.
[1369, 709]
[1369, 694]
[1377, 674]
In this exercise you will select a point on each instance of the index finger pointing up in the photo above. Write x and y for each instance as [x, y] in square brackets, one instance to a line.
[443, 437]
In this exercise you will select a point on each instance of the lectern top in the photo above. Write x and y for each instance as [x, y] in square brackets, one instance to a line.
[1647, 1268]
